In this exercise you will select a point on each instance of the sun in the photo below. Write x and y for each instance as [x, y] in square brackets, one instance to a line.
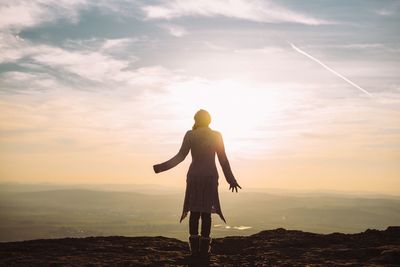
[240, 111]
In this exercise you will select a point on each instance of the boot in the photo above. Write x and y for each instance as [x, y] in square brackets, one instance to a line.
[194, 242]
[205, 247]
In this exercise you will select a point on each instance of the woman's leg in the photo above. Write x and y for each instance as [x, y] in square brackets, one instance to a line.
[205, 224]
[194, 223]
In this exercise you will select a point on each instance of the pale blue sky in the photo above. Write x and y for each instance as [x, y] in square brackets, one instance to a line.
[86, 83]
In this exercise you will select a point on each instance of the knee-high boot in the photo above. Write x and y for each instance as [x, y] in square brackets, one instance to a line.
[205, 247]
[194, 243]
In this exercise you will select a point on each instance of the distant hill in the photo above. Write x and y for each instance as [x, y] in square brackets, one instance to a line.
[277, 247]
[79, 212]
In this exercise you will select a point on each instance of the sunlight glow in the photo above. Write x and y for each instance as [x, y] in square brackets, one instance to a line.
[238, 110]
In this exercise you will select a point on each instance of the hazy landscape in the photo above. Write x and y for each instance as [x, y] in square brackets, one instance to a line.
[33, 211]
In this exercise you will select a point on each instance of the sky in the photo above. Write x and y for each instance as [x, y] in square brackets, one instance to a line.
[305, 93]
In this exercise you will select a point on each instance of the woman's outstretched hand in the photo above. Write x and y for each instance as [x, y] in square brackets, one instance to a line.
[156, 168]
[234, 186]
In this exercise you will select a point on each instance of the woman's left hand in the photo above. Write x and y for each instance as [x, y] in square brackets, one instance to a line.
[234, 186]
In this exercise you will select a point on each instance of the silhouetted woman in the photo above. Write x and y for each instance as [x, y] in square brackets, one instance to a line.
[201, 196]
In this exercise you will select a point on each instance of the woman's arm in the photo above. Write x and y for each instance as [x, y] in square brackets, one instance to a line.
[223, 160]
[178, 158]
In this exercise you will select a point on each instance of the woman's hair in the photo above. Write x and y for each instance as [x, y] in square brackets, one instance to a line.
[201, 119]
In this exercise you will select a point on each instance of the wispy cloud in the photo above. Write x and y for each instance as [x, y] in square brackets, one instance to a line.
[331, 70]
[175, 30]
[263, 50]
[87, 64]
[260, 11]
[214, 46]
[91, 60]
[26, 13]
[22, 82]
[351, 46]
[93, 65]
[112, 44]
[389, 10]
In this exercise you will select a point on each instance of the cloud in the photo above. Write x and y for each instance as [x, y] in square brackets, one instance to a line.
[28, 13]
[175, 30]
[13, 47]
[263, 50]
[351, 46]
[22, 82]
[112, 44]
[331, 70]
[100, 67]
[87, 64]
[91, 60]
[214, 46]
[389, 10]
[92, 65]
[259, 11]
[381, 47]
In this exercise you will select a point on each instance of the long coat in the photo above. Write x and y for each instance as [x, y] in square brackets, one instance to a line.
[201, 193]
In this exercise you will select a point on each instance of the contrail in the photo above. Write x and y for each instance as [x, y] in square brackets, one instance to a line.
[331, 70]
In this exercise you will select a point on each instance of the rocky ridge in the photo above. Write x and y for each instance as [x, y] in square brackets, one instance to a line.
[277, 247]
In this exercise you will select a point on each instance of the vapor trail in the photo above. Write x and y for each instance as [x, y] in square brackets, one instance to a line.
[331, 70]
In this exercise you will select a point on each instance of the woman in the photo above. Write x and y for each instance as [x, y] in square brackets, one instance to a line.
[201, 196]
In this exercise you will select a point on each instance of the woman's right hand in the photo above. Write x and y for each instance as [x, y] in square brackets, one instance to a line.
[156, 168]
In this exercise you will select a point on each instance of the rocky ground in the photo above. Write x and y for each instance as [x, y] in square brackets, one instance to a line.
[277, 247]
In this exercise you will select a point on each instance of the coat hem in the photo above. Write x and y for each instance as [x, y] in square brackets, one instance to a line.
[184, 215]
